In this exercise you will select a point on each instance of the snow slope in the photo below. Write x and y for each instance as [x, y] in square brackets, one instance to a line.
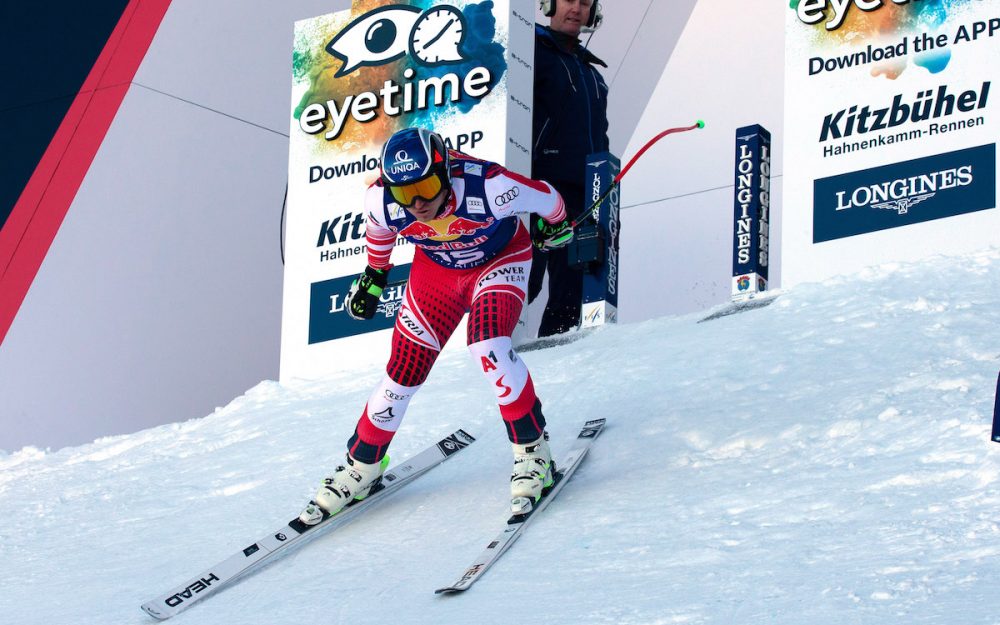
[822, 460]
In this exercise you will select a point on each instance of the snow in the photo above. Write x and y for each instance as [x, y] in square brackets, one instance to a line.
[826, 459]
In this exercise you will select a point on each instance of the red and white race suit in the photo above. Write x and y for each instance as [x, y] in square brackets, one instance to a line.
[475, 257]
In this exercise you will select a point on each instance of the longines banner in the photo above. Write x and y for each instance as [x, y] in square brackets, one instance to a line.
[461, 68]
[891, 122]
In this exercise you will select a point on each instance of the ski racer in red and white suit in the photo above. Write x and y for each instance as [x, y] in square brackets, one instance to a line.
[472, 255]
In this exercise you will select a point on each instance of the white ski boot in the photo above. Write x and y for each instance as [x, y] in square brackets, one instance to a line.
[533, 472]
[348, 483]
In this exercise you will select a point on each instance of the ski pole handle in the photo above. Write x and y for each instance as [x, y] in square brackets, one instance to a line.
[669, 131]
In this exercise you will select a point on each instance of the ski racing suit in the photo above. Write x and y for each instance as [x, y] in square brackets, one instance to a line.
[474, 257]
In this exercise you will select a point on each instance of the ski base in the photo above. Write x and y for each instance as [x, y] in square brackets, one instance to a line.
[515, 525]
[295, 532]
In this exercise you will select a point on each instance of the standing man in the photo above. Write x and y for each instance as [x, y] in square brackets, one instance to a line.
[570, 122]
[472, 255]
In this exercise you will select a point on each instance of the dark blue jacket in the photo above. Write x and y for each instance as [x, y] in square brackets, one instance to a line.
[570, 109]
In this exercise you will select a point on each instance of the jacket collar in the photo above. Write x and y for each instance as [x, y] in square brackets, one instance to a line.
[551, 39]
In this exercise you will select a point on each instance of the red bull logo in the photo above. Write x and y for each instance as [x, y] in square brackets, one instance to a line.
[445, 229]
[464, 227]
[418, 230]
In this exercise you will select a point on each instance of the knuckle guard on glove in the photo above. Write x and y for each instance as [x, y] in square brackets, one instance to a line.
[363, 296]
[553, 236]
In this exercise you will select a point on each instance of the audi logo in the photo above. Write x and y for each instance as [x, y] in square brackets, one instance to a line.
[506, 197]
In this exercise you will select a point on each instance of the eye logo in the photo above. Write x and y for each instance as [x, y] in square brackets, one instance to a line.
[373, 38]
[390, 32]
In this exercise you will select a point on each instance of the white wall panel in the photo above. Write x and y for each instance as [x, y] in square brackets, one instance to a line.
[160, 296]
[727, 70]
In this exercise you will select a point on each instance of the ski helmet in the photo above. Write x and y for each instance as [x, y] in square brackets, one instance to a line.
[415, 164]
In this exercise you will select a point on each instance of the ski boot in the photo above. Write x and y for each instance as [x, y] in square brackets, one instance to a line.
[534, 473]
[347, 484]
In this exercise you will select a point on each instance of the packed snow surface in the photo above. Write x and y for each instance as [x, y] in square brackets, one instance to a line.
[823, 460]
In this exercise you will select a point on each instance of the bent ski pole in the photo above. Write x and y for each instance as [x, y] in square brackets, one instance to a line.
[590, 211]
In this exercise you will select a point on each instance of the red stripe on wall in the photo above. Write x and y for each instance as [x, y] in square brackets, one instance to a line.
[32, 225]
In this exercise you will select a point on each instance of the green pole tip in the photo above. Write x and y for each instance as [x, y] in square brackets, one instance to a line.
[700, 123]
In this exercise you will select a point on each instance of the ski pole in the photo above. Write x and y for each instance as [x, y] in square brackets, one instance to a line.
[596, 205]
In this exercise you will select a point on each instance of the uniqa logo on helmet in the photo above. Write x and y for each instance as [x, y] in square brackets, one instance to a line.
[403, 163]
[431, 37]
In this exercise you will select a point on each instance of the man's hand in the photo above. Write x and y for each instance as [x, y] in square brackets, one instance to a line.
[552, 236]
[362, 297]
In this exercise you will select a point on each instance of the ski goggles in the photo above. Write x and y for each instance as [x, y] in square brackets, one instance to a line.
[425, 189]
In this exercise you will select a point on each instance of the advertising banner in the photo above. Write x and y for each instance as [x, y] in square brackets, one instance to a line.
[751, 211]
[462, 69]
[891, 121]
[600, 284]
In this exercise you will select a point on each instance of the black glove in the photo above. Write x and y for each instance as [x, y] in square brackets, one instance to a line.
[362, 297]
[552, 236]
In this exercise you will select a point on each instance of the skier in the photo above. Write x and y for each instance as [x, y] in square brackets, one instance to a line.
[472, 254]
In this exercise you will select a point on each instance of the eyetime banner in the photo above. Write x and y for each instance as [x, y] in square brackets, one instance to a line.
[460, 68]
[891, 118]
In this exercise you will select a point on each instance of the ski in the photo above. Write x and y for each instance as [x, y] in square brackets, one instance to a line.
[275, 544]
[516, 524]
[765, 299]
